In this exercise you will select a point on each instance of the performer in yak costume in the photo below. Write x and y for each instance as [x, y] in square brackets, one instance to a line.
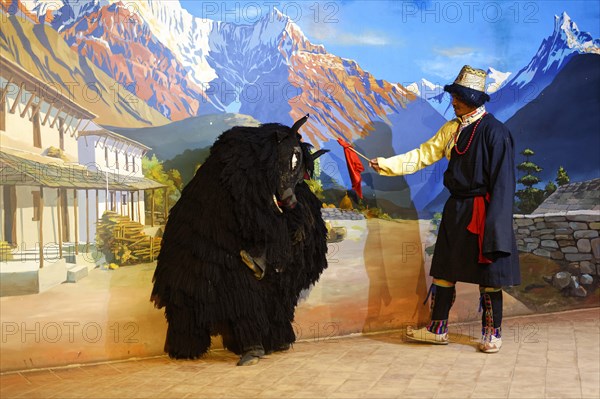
[245, 238]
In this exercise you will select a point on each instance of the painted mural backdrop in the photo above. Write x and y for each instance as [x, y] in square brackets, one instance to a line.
[109, 107]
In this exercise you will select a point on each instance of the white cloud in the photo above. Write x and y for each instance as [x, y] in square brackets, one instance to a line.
[329, 34]
[454, 51]
[448, 61]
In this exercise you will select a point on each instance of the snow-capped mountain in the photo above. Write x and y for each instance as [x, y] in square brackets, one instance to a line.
[495, 80]
[433, 93]
[124, 46]
[555, 50]
[186, 66]
[61, 14]
[553, 54]
[425, 89]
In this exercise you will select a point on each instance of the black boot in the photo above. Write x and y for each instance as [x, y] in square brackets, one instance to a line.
[442, 299]
[491, 320]
[251, 355]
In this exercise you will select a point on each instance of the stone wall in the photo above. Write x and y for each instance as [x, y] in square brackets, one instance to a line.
[341, 214]
[571, 238]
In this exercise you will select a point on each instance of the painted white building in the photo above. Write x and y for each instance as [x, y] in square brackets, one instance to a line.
[37, 121]
[118, 160]
[44, 184]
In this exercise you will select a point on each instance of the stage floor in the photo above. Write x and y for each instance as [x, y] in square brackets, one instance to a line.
[543, 356]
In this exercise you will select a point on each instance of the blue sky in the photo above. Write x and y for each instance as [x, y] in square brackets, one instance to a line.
[403, 41]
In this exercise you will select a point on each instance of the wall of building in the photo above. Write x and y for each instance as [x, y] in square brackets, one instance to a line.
[28, 230]
[20, 129]
[92, 153]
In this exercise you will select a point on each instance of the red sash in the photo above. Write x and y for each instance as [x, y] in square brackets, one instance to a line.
[477, 225]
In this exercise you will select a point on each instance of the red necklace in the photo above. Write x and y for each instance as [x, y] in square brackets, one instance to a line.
[470, 138]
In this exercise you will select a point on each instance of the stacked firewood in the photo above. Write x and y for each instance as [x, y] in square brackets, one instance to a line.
[5, 252]
[123, 240]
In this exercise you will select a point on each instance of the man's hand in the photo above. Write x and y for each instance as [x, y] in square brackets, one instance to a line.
[375, 165]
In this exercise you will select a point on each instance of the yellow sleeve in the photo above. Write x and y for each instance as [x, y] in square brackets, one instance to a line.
[428, 153]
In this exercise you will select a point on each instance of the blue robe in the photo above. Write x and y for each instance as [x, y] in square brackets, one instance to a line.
[487, 167]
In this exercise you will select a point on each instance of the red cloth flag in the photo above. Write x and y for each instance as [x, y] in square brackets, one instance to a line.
[355, 167]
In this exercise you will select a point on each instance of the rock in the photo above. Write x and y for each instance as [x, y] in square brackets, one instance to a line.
[558, 255]
[541, 225]
[586, 267]
[524, 222]
[558, 225]
[578, 257]
[547, 237]
[561, 280]
[574, 283]
[549, 244]
[579, 292]
[530, 247]
[542, 252]
[564, 231]
[584, 245]
[595, 243]
[555, 219]
[547, 279]
[578, 226]
[569, 250]
[584, 218]
[566, 243]
[574, 268]
[586, 279]
[532, 240]
[523, 231]
[585, 234]
[563, 237]
[595, 226]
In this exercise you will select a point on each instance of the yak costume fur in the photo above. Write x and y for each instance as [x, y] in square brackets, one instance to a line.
[248, 198]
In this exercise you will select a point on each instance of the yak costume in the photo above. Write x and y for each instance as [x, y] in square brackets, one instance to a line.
[476, 241]
[245, 238]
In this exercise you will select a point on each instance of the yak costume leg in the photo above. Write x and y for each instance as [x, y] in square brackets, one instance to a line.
[281, 332]
[186, 338]
[249, 340]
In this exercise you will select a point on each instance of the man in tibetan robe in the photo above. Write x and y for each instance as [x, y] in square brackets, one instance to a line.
[476, 242]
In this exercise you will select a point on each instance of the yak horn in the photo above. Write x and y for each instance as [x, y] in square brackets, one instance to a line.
[317, 154]
[299, 123]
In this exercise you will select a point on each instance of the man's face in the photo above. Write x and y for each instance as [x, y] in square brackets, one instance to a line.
[461, 108]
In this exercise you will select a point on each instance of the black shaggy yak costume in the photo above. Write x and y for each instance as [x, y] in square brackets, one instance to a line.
[248, 200]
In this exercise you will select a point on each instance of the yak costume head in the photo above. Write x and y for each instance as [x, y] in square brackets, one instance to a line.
[290, 164]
